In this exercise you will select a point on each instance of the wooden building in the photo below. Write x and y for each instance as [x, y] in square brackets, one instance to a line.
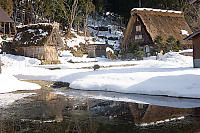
[195, 37]
[6, 22]
[96, 50]
[41, 41]
[146, 24]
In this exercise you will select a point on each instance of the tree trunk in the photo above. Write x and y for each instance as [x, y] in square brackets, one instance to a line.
[85, 25]
[26, 12]
[78, 27]
[72, 15]
[31, 12]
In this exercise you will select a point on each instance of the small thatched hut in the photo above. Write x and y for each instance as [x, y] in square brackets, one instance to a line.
[5, 20]
[96, 50]
[146, 24]
[41, 41]
[195, 37]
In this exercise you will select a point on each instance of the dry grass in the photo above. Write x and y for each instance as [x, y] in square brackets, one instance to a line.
[43, 84]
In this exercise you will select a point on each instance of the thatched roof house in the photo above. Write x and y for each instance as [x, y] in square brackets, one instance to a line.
[40, 41]
[5, 19]
[146, 24]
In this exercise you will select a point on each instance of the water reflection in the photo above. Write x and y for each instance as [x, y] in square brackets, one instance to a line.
[48, 112]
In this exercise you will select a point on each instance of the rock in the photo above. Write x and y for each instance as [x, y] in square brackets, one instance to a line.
[60, 84]
[95, 67]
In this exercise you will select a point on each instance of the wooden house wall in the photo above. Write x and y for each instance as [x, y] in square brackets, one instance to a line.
[196, 47]
[196, 51]
[100, 51]
[48, 53]
[96, 51]
[146, 39]
[31, 51]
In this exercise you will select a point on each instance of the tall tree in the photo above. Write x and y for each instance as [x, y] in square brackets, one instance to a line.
[88, 7]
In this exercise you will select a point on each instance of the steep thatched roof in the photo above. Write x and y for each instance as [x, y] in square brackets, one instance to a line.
[36, 35]
[163, 23]
[4, 17]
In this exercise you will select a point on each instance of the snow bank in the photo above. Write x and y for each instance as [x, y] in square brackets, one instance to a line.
[179, 60]
[14, 60]
[186, 51]
[172, 76]
[10, 83]
[66, 56]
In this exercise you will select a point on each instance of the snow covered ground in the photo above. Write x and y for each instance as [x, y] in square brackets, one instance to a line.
[9, 84]
[173, 75]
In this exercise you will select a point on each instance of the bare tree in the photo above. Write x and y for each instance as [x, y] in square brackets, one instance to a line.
[73, 12]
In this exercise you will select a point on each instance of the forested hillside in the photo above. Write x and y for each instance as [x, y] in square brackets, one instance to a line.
[72, 13]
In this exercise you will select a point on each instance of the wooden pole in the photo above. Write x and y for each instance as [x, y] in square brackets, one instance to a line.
[15, 29]
[9, 28]
[4, 27]
[0, 64]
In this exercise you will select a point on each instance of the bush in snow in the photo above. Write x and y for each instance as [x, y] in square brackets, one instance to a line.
[136, 51]
[171, 44]
[110, 54]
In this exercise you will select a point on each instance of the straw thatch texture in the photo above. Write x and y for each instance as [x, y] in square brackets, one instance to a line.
[4, 17]
[158, 23]
[164, 24]
[38, 41]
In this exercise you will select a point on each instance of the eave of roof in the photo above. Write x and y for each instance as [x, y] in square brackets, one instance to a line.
[190, 37]
[4, 17]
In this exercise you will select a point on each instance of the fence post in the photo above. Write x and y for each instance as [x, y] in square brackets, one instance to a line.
[0, 61]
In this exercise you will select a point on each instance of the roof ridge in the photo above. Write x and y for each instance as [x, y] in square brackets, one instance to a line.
[156, 10]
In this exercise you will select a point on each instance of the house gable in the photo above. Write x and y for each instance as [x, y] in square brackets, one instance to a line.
[139, 33]
[155, 22]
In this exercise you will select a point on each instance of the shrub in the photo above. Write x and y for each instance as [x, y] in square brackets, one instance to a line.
[171, 44]
[4, 37]
[135, 50]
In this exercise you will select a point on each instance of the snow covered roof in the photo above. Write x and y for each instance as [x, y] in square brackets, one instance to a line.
[4, 17]
[32, 35]
[163, 23]
[155, 10]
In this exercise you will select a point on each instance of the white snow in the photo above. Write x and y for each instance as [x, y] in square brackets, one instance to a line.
[155, 10]
[161, 121]
[10, 84]
[173, 75]
[42, 32]
[8, 98]
[109, 49]
[134, 98]
[184, 32]
[31, 30]
[187, 50]
[22, 26]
